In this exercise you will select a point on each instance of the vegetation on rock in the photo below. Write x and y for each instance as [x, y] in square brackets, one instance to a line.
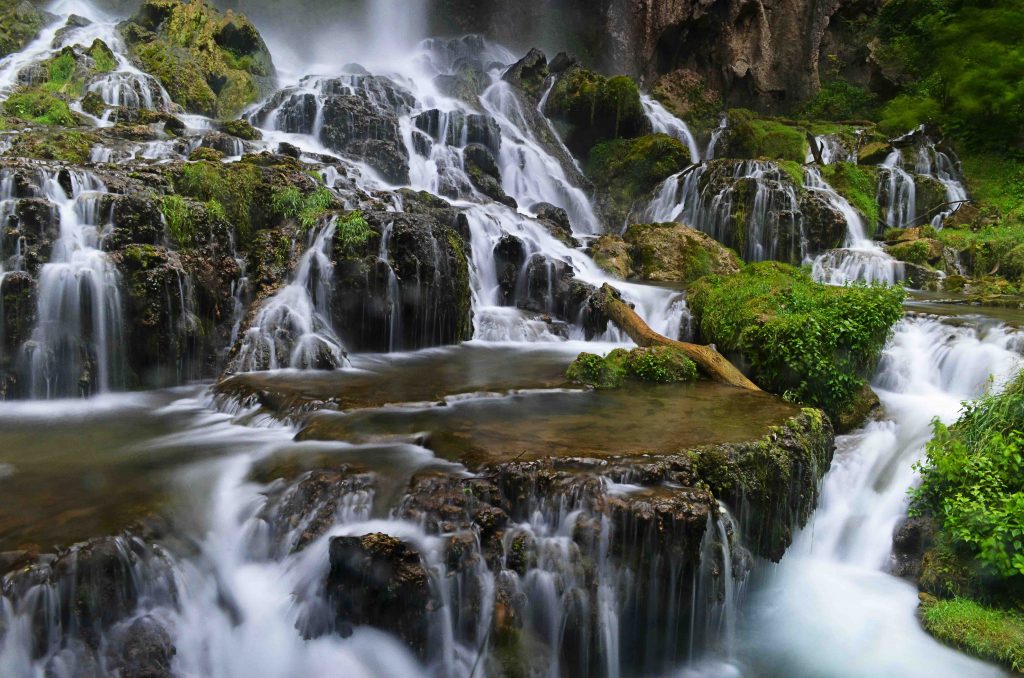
[813, 343]
[596, 108]
[677, 253]
[658, 365]
[626, 170]
[992, 634]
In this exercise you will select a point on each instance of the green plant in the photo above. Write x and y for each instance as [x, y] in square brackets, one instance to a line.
[972, 480]
[179, 219]
[658, 365]
[352, 232]
[992, 634]
[40, 107]
[289, 203]
[817, 342]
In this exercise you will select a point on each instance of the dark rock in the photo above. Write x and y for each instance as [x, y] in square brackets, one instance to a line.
[556, 220]
[529, 73]
[141, 649]
[380, 581]
[911, 540]
[483, 172]
[17, 314]
[509, 257]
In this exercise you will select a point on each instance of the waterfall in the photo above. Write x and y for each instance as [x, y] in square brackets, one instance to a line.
[861, 259]
[293, 328]
[936, 164]
[664, 122]
[898, 192]
[723, 125]
[709, 197]
[74, 349]
[831, 597]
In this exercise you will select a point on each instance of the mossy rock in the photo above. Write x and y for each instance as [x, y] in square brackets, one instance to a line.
[596, 108]
[674, 252]
[923, 252]
[751, 137]
[39, 106]
[242, 129]
[858, 410]
[20, 23]
[612, 254]
[859, 185]
[658, 365]
[206, 153]
[626, 170]
[686, 95]
[70, 146]
[874, 153]
[211, 63]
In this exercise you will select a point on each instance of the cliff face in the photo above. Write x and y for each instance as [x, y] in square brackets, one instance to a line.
[764, 54]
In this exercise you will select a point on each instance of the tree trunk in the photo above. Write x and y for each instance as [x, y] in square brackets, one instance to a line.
[710, 361]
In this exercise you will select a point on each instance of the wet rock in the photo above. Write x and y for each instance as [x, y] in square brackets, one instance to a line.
[484, 173]
[380, 581]
[428, 258]
[302, 512]
[143, 649]
[595, 108]
[17, 314]
[509, 257]
[33, 228]
[676, 253]
[556, 221]
[613, 255]
[864, 406]
[824, 226]
[136, 217]
[529, 73]
[911, 540]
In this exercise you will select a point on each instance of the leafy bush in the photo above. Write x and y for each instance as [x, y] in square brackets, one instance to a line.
[289, 203]
[178, 218]
[839, 99]
[814, 343]
[352, 232]
[973, 480]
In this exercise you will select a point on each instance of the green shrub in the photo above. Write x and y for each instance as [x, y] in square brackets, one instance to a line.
[625, 170]
[179, 219]
[596, 108]
[840, 99]
[811, 342]
[289, 203]
[352, 232]
[234, 186]
[972, 480]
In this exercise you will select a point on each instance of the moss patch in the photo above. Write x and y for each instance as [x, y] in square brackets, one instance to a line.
[40, 106]
[624, 170]
[210, 63]
[20, 23]
[858, 184]
[659, 365]
[753, 137]
[677, 253]
[71, 146]
[596, 108]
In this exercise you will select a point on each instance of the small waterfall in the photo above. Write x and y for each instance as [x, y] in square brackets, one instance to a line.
[723, 125]
[771, 226]
[293, 328]
[75, 348]
[664, 122]
[861, 259]
[830, 597]
[832, 150]
[932, 162]
[897, 192]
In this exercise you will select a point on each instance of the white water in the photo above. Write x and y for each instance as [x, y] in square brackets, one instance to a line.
[829, 608]
[861, 258]
[899, 203]
[664, 122]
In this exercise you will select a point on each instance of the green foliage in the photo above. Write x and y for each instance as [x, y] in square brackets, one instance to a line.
[794, 170]
[990, 248]
[235, 187]
[991, 634]
[102, 56]
[352, 232]
[753, 137]
[814, 343]
[179, 219]
[840, 99]
[907, 111]
[914, 252]
[19, 24]
[658, 365]
[65, 145]
[973, 480]
[40, 107]
[996, 181]
[289, 203]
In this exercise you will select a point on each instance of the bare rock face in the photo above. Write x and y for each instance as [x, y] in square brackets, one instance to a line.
[765, 54]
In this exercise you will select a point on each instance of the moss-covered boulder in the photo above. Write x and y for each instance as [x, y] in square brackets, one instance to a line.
[20, 23]
[40, 106]
[813, 343]
[859, 185]
[658, 365]
[627, 170]
[677, 253]
[64, 145]
[612, 254]
[749, 136]
[594, 108]
[210, 62]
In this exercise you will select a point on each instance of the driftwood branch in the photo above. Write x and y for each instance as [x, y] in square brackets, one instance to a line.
[812, 141]
[710, 361]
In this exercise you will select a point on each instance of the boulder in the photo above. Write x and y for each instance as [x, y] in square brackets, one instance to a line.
[674, 252]
[556, 221]
[529, 73]
[612, 254]
[379, 580]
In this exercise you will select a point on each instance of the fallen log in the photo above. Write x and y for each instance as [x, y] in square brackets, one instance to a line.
[710, 361]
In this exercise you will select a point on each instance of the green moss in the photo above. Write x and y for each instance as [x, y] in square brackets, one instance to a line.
[179, 219]
[210, 63]
[351, 233]
[858, 184]
[235, 186]
[71, 146]
[988, 633]
[794, 170]
[813, 343]
[289, 203]
[102, 56]
[996, 182]
[993, 248]
[914, 252]
[242, 129]
[20, 23]
[39, 106]
[659, 365]
[625, 170]
[596, 108]
[753, 137]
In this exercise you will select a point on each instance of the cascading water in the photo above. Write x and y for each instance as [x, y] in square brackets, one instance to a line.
[897, 192]
[664, 122]
[861, 259]
[932, 162]
[293, 328]
[759, 190]
[831, 597]
[73, 350]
